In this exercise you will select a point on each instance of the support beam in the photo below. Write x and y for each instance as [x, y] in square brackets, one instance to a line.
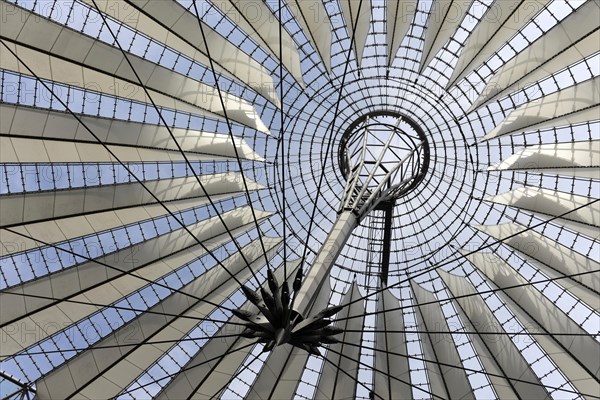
[319, 272]
[284, 367]
[387, 243]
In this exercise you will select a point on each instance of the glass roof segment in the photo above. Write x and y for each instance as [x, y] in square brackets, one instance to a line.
[158, 155]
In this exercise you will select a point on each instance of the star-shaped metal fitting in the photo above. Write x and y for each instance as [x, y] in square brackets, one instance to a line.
[278, 323]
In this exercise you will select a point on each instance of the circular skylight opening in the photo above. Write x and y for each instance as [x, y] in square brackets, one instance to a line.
[384, 148]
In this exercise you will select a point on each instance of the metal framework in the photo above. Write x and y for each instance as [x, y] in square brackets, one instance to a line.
[14, 389]
[380, 161]
[431, 167]
[382, 156]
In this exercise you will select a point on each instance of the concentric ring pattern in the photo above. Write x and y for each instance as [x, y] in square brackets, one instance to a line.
[158, 154]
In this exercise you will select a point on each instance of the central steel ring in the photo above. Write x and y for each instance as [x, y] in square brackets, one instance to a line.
[403, 135]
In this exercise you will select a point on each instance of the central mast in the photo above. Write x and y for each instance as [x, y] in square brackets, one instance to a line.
[382, 156]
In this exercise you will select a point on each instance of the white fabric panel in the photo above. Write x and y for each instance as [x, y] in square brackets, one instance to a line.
[55, 231]
[89, 63]
[505, 352]
[23, 150]
[574, 38]
[443, 346]
[546, 251]
[577, 159]
[578, 227]
[256, 19]
[73, 280]
[579, 291]
[210, 376]
[284, 366]
[59, 314]
[556, 157]
[497, 26]
[227, 58]
[436, 380]
[333, 383]
[139, 360]
[393, 341]
[204, 381]
[357, 22]
[584, 229]
[312, 17]
[47, 124]
[177, 21]
[79, 375]
[444, 18]
[508, 80]
[501, 385]
[400, 14]
[538, 309]
[581, 173]
[578, 117]
[551, 202]
[558, 106]
[280, 374]
[32, 207]
[328, 253]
